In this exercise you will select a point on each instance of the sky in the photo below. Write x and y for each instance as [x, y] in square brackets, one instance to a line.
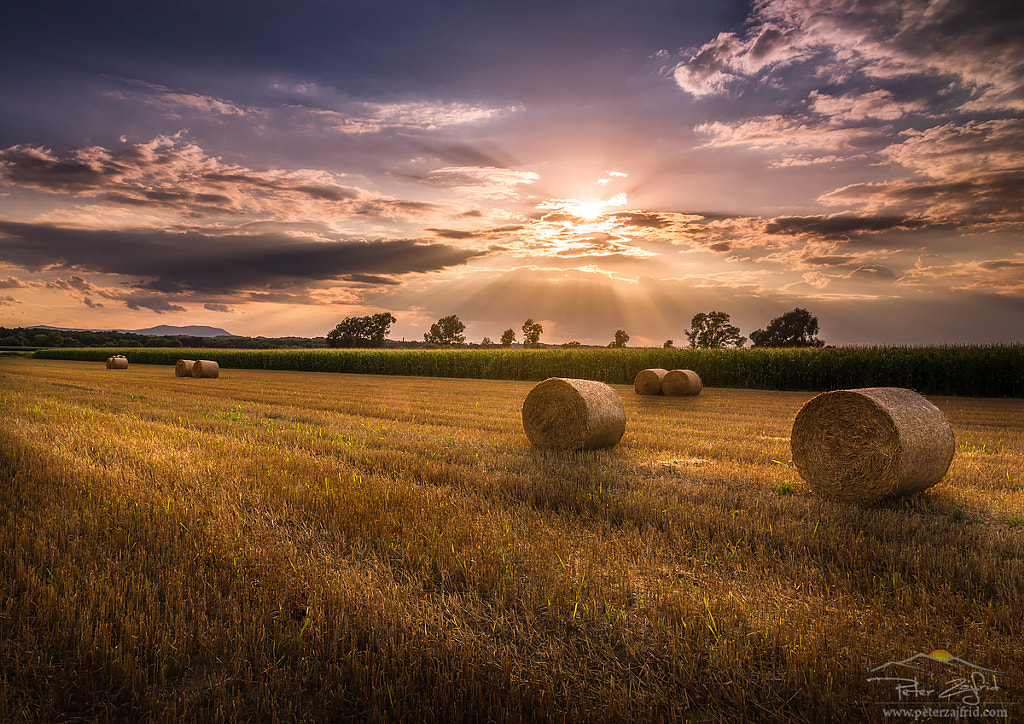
[271, 167]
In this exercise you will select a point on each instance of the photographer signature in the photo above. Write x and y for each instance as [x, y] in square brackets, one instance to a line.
[968, 689]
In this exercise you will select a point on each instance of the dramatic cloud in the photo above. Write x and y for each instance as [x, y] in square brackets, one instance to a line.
[975, 46]
[838, 226]
[168, 173]
[199, 265]
[883, 83]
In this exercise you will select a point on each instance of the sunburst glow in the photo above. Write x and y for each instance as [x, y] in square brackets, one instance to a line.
[587, 209]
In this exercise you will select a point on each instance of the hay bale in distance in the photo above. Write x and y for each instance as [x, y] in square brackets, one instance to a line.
[648, 382]
[117, 362]
[867, 444]
[205, 368]
[682, 383]
[183, 367]
[566, 414]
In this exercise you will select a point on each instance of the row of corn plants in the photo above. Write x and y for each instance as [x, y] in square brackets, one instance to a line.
[974, 371]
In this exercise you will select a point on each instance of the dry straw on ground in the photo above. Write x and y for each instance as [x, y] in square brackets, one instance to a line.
[183, 368]
[205, 368]
[566, 414]
[117, 362]
[648, 382]
[682, 383]
[864, 445]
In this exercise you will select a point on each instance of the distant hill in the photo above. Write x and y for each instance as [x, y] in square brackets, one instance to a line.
[162, 330]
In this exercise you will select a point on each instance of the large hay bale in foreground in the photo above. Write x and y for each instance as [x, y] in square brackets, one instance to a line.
[565, 414]
[864, 445]
[682, 383]
[648, 382]
[183, 367]
[205, 368]
[117, 362]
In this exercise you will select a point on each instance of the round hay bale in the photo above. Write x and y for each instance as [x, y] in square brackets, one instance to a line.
[117, 362]
[205, 368]
[682, 383]
[867, 444]
[565, 414]
[183, 367]
[648, 382]
[108, 362]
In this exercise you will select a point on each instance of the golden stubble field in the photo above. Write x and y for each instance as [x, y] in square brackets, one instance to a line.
[276, 546]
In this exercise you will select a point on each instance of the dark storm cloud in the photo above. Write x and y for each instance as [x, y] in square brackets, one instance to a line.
[133, 298]
[837, 227]
[958, 203]
[199, 263]
[643, 219]
[1002, 264]
[34, 168]
[453, 233]
[372, 279]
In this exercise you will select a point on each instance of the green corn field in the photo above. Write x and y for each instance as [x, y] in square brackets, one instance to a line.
[970, 371]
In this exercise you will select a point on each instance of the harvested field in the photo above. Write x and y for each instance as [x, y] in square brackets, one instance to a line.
[308, 547]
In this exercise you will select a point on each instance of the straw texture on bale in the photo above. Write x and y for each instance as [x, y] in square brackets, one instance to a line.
[867, 444]
[566, 414]
[117, 362]
[183, 367]
[205, 368]
[682, 383]
[648, 382]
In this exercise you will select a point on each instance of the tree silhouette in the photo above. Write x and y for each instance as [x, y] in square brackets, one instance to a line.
[508, 337]
[793, 329]
[620, 339]
[531, 333]
[446, 330]
[711, 330]
[361, 331]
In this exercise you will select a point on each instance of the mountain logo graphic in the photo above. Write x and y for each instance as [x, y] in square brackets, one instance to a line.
[940, 655]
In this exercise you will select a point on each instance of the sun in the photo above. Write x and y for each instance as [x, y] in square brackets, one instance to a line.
[588, 210]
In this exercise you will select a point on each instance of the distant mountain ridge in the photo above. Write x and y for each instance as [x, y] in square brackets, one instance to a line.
[162, 330]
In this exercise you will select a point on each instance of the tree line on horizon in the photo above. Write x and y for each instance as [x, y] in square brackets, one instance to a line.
[11, 337]
[708, 330]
